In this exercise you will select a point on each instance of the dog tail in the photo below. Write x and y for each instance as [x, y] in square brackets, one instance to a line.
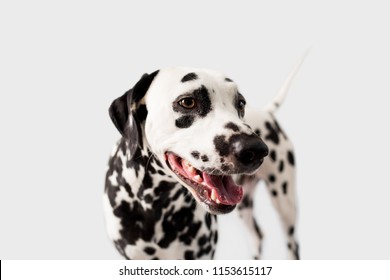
[281, 95]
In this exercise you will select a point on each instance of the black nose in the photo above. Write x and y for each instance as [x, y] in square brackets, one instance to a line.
[250, 150]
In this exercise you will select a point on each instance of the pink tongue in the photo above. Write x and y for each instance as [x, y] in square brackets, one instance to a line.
[227, 191]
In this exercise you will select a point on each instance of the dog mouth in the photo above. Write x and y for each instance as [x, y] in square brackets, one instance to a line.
[219, 192]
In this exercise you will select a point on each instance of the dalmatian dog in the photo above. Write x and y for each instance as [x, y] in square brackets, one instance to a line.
[191, 150]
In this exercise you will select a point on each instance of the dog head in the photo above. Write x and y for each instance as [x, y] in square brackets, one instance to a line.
[193, 122]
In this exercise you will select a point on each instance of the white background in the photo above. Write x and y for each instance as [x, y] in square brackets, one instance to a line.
[62, 63]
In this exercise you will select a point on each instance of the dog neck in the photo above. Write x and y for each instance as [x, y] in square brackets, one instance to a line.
[146, 175]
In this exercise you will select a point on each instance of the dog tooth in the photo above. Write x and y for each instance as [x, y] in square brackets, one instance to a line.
[204, 194]
[218, 201]
[187, 163]
[187, 166]
[198, 179]
[213, 195]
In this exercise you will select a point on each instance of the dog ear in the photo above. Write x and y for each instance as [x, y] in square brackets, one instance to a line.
[123, 111]
[119, 112]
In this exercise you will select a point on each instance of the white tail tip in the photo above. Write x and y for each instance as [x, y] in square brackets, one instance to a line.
[281, 95]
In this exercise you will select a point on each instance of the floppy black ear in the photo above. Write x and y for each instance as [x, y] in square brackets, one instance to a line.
[123, 112]
[119, 112]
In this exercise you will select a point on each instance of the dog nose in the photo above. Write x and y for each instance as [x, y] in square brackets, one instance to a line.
[250, 150]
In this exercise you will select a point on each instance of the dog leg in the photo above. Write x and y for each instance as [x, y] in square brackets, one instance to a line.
[245, 212]
[279, 175]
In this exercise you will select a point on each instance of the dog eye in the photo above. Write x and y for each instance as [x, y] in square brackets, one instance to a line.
[241, 105]
[187, 102]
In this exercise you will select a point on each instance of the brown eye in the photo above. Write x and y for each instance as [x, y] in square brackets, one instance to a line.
[188, 103]
[241, 106]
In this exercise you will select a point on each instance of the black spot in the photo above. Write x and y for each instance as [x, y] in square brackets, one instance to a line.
[151, 168]
[138, 162]
[189, 255]
[174, 223]
[245, 203]
[148, 198]
[178, 194]
[278, 128]
[202, 108]
[257, 132]
[272, 133]
[190, 233]
[189, 77]
[203, 103]
[274, 193]
[184, 121]
[202, 240]
[149, 250]
[228, 80]
[225, 167]
[291, 231]
[147, 183]
[195, 154]
[208, 220]
[289, 246]
[159, 164]
[232, 126]
[185, 239]
[257, 229]
[272, 155]
[136, 222]
[162, 173]
[162, 193]
[163, 188]
[111, 190]
[188, 198]
[205, 158]
[216, 237]
[284, 187]
[204, 251]
[291, 158]
[271, 178]
[221, 145]
[202, 95]
[281, 166]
